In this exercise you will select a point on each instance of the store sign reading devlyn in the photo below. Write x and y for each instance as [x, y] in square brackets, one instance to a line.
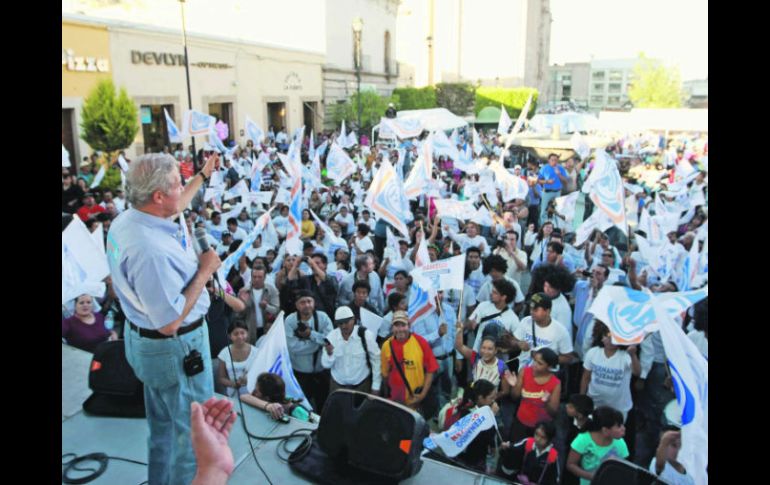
[168, 59]
[83, 64]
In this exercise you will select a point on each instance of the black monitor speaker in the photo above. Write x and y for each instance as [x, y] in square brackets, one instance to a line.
[372, 434]
[615, 471]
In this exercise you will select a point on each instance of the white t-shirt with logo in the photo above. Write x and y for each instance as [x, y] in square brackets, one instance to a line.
[610, 383]
[554, 336]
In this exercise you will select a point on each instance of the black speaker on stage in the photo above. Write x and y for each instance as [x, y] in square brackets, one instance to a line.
[372, 434]
[616, 471]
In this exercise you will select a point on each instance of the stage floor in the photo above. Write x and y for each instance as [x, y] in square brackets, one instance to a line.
[127, 438]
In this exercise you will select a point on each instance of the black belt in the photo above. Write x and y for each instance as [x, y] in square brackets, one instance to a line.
[157, 335]
[442, 357]
[553, 190]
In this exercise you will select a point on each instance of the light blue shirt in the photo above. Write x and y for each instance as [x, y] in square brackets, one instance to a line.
[151, 262]
[427, 328]
[303, 350]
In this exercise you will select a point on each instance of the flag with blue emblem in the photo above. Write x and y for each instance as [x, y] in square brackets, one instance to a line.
[422, 171]
[386, 197]
[421, 298]
[197, 123]
[273, 356]
[216, 142]
[629, 313]
[461, 434]
[689, 376]
[605, 188]
[339, 166]
[174, 135]
[254, 132]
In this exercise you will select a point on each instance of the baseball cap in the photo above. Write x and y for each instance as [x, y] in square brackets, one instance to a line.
[303, 294]
[400, 316]
[540, 300]
[226, 206]
[343, 314]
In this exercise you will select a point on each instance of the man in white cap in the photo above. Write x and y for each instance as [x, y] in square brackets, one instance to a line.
[352, 354]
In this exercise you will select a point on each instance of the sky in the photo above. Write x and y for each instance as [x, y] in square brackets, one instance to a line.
[674, 31]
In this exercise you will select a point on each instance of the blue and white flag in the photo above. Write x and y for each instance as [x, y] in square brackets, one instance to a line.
[333, 241]
[443, 146]
[197, 123]
[421, 299]
[454, 138]
[505, 121]
[606, 190]
[454, 440]
[422, 171]
[339, 166]
[174, 135]
[254, 132]
[386, 197]
[689, 375]
[629, 313]
[352, 140]
[238, 190]
[273, 356]
[322, 148]
[216, 142]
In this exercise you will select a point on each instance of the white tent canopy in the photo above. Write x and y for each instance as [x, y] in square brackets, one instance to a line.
[435, 118]
[568, 122]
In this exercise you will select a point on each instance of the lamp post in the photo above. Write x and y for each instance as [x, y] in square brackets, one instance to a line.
[358, 25]
[196, 162]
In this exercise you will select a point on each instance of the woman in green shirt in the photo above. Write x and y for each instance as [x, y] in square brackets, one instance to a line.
[602, 439]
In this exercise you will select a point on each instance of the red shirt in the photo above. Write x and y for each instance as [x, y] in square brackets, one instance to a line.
[84, 211]
[186, 169]
[532, 408]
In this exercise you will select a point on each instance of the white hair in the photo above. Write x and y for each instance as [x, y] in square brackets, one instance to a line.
[147, 174]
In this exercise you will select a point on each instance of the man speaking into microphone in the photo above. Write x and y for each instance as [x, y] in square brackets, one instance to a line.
[161, 286]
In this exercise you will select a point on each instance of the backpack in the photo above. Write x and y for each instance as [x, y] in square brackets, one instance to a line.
[117, 392]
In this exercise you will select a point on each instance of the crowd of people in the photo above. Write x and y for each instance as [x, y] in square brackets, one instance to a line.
[519, 336]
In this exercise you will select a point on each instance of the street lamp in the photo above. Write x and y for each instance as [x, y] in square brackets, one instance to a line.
[187, 75]
[358, 25]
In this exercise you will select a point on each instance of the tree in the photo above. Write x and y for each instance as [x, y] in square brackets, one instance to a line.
[655, 86]
[373, 108]
[456, 97]
[110, 123]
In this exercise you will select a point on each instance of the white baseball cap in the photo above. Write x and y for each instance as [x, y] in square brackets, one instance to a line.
[343, 313]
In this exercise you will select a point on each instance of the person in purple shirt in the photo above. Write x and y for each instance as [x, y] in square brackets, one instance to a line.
[85, 328]
[552, 177]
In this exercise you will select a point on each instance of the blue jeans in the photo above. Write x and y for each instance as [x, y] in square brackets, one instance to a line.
[545, 199]
[168, 393]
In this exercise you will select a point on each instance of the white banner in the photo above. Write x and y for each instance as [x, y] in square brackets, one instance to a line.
[454, 440]
[444, 274]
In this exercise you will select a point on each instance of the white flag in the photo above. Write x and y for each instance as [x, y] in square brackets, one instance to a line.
[342, 139]
[238, 190]
[174, 136]
[454, 440]
[81, 247]
[689, 375]
[65, 157]
[99, 176]
[598, 220]
[505, 121]
[254, 132]
[444, 274]
[519, 122]
[444, 146]
[477, 146]
[123, 163]
[371, 321]
[273, 357]
[339, 166]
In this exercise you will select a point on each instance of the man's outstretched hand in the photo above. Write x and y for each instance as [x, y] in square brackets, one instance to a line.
[211, 425]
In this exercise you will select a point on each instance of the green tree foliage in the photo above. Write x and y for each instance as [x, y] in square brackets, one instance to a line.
[110, 121]
[655, 86]
[373, 108]
[415, 98]
[456, 97]
[513, 99]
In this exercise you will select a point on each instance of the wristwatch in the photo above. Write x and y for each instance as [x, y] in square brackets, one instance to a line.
[203, 176]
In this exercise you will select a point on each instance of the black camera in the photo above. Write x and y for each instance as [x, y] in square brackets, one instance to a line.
[301, 328]
[193, 363]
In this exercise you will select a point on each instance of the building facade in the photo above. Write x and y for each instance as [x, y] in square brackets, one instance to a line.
[568, 82]
[231, 80]
[502, 43]
[85, 61]
[379, 70]
[696, 93]
[609, 83]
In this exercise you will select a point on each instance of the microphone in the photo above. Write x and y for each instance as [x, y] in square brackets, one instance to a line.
[202, 239]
